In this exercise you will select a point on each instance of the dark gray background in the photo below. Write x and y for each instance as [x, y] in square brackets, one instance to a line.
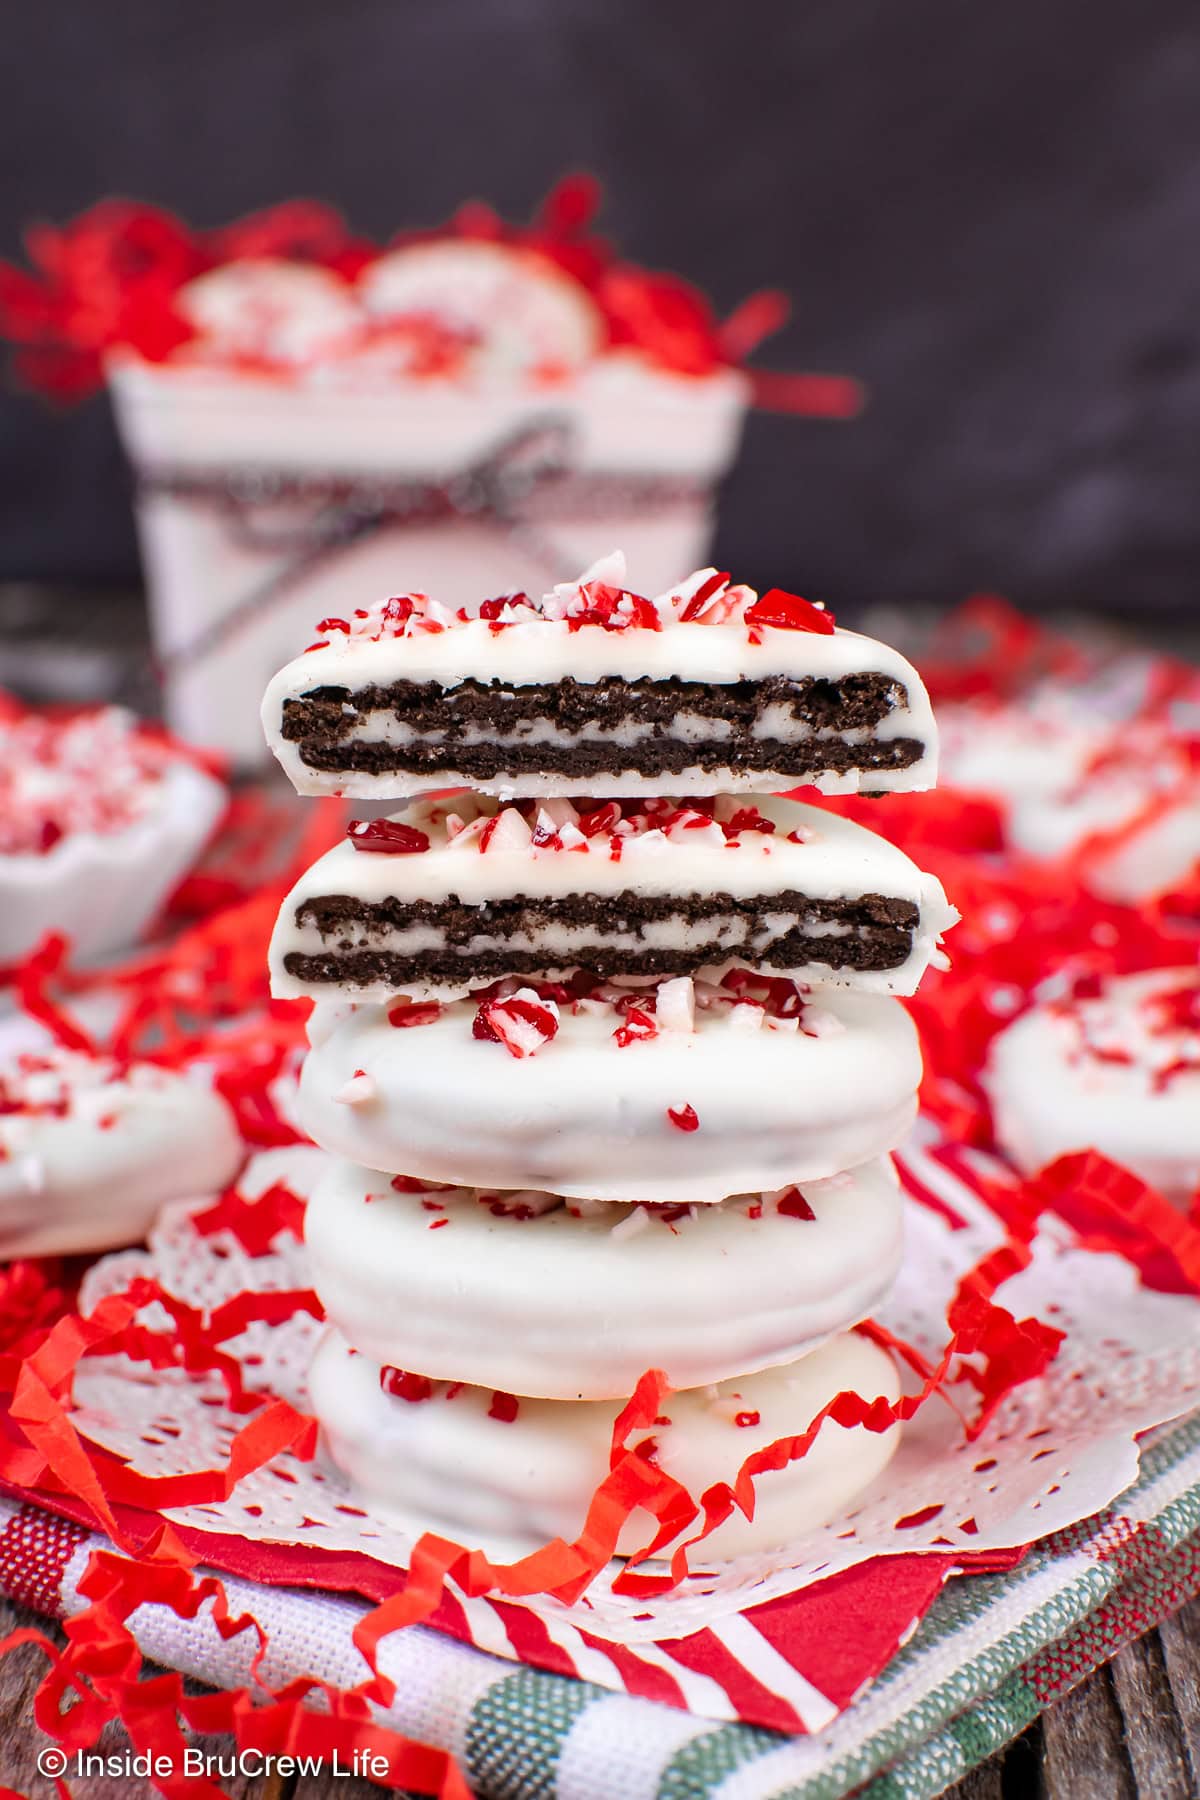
[989, 212]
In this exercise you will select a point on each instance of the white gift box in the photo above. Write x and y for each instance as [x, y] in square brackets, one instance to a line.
[267, 502]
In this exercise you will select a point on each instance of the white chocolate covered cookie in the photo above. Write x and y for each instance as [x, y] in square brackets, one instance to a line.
[1113, 1066]
[594, 690]
[458, 891]
[684, 1093]
[506, 1475]
[90, 1151]
[537, 1296]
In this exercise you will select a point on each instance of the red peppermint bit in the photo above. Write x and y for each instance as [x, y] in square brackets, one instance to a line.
[614, 609]
[321, 644]
[602, 818]
[779, 997]
[333, 625]
[492, 609]
[702, 596]
[793, 1205]
[488, 832]
[522, 1026]
[504, 1407]
[386, 837]
[398, 610]
[430, 1205]
[788, 612]
[455, 1389]
[684, 1118]
[405, 1012]
[1109, 1054]
[616, 844]
[637, 1027]
[545, 838]
[434, 1224]
[661, 1419]
[360, 612]
[747, 818]
[644, 615]
[799, 836]
[49, 834]
[408, 1184]
[747, 1418]
[482, 1027]
[404, 1386]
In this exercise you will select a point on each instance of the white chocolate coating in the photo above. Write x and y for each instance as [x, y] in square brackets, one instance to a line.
[834, 860]
[103, 889]
[270, 310]
[519, 309]
[444, 1465]
[546, 648]
[588, 1118]
[577, 1307]
[92, 1153]
[1112, 1073]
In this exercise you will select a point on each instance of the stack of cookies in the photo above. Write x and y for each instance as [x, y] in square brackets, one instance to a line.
[606, 1049]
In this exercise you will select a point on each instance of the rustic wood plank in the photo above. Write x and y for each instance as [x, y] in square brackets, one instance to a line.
[21, 1739]
[1180, 1639]
[1153, 1738]
[1085, 1757]
[984, 1783]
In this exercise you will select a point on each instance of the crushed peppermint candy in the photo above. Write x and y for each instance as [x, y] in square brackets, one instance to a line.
[788, 612]
[61, 774]
[684, 1118]
[64, 1084]
[388, 837]
[360, 1088]
[637, 1026]
[1159, 1035]
[403, 1386]
[405, 1011]
[675, 1008]
[792, 1204]
[523, 1022]
[599, 599]
[641, 825]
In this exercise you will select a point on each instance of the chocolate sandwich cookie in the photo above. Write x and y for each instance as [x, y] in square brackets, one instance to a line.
[676, 1091]
[507, 1474]
[575, 1300]
[593, 689]
[458, 892]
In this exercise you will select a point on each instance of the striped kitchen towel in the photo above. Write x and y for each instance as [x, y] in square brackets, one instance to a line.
[991, 1651]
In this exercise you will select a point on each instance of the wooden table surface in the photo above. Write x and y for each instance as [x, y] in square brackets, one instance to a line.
[1131, 1731]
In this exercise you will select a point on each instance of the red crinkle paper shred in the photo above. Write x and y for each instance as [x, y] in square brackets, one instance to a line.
[101, 1665]
[109, 280]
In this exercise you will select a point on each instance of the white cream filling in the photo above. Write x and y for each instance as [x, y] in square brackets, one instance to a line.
[775, 724]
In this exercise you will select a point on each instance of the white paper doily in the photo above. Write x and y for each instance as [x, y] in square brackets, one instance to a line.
[1057, 1450]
